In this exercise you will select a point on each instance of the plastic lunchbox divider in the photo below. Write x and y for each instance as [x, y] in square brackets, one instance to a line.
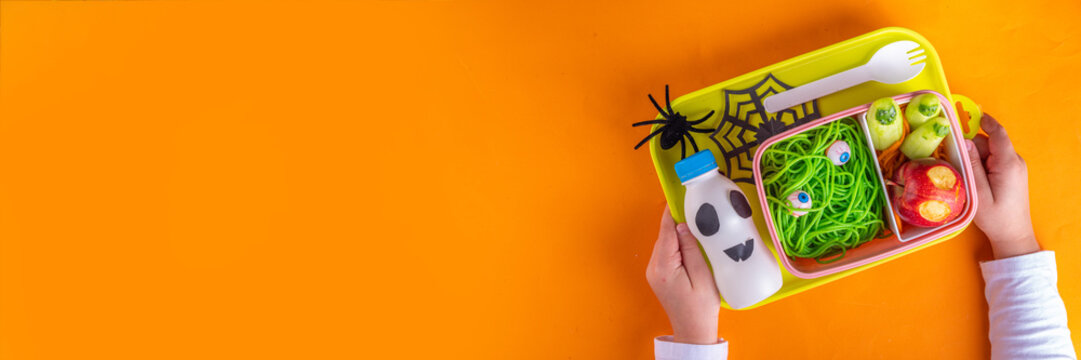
[888, 212]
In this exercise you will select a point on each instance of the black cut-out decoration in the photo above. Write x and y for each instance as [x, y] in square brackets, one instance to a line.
[739, 203]
[674, 128]
[745, 123]
[741, 251]
[706, 220]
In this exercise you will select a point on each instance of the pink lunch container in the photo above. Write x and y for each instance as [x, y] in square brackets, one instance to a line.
[899, 242]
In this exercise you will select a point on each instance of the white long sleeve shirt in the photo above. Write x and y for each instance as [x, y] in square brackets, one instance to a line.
[1028, 317]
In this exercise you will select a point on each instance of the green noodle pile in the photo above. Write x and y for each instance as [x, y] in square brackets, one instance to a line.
[847, 200]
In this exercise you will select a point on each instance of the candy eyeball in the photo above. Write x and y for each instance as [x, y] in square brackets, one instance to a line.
[801, 200]
[839, 152]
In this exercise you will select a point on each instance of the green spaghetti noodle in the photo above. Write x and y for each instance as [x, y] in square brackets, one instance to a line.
[847, 199]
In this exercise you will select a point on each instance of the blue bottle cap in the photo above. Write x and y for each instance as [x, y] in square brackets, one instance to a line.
[700, 163]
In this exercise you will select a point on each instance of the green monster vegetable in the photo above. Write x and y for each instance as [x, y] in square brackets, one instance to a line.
[969, 113]
[884, 123]
[923, 141]
[921, 108]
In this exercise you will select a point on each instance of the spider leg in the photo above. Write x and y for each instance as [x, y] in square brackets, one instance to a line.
[667, 100]
[657, 106]
[693, 144]
[699, 121]
[700, 130]
[654, 133]
[682, 149]
[648, 122]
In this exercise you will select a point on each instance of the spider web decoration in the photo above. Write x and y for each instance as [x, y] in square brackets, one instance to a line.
[745, 124]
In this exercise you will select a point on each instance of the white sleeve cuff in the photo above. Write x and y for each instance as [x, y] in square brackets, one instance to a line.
[666, 349]
[1040, 262]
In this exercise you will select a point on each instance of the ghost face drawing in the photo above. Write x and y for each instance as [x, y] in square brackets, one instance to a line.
[708, 222]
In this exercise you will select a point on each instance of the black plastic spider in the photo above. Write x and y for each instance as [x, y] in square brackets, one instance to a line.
[675, 127]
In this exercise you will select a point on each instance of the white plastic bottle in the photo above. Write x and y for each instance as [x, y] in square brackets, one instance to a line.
[719, 215]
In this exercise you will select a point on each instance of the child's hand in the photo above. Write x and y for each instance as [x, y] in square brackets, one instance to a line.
[1003, 213]
[680, 278]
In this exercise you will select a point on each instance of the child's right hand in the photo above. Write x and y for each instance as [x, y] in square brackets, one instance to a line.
[1003, 212]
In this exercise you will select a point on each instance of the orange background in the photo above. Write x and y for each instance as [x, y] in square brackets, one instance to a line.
[451, 179]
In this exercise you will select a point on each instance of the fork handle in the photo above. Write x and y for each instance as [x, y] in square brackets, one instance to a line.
[818, 88]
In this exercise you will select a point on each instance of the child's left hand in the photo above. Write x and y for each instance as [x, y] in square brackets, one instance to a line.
[680, 278]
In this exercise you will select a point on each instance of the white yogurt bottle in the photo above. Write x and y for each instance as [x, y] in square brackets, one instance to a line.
[719, 215]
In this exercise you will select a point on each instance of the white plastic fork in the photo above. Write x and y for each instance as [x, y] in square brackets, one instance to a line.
[894, 63]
